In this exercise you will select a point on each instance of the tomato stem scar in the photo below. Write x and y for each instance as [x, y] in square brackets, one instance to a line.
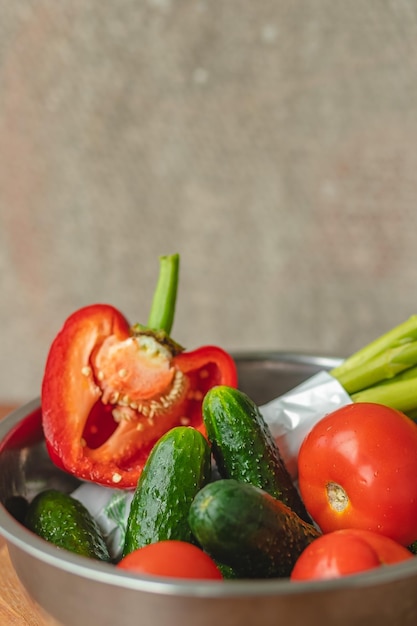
[337, 497]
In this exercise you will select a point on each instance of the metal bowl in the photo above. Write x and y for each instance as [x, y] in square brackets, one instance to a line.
[76, 591]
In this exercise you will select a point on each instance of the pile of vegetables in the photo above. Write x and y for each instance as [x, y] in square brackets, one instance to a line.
[127, 407]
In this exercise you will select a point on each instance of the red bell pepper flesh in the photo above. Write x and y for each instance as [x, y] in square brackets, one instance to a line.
[205, 367]
[108, 396]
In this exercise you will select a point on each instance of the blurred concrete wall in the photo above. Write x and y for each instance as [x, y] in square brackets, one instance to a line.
[272, 144]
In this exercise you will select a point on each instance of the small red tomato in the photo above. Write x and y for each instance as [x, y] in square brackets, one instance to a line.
[173, 559]
[358, 469]
[345, 552]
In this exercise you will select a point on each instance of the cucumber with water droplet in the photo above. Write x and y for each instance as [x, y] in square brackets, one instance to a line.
[247, 530]
[178, 466]
[64, 521]
[243, 446]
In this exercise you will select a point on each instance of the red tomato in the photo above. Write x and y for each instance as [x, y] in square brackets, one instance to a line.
[171, 558]
[358, 469]
[344, 552]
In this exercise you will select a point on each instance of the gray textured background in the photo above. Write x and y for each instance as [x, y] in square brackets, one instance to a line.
[272, 144]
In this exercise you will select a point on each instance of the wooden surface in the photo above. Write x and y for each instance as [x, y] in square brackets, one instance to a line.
[16, 609]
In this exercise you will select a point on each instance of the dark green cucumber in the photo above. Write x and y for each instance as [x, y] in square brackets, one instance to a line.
[244, 448]
[247, 529]
[413, 547]
[177, 467]
[64, 521]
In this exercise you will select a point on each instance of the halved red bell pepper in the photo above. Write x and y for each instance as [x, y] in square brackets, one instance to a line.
[110, 390]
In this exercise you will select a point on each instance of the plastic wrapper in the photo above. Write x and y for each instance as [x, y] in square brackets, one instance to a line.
[291, 416]
[110, 508]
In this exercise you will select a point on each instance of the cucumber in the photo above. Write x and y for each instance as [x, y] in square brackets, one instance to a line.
[248, 530]
[243, 447]
[64, 521]
[178, 466]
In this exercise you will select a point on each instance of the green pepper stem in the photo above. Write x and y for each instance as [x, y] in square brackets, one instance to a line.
[162, 312]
